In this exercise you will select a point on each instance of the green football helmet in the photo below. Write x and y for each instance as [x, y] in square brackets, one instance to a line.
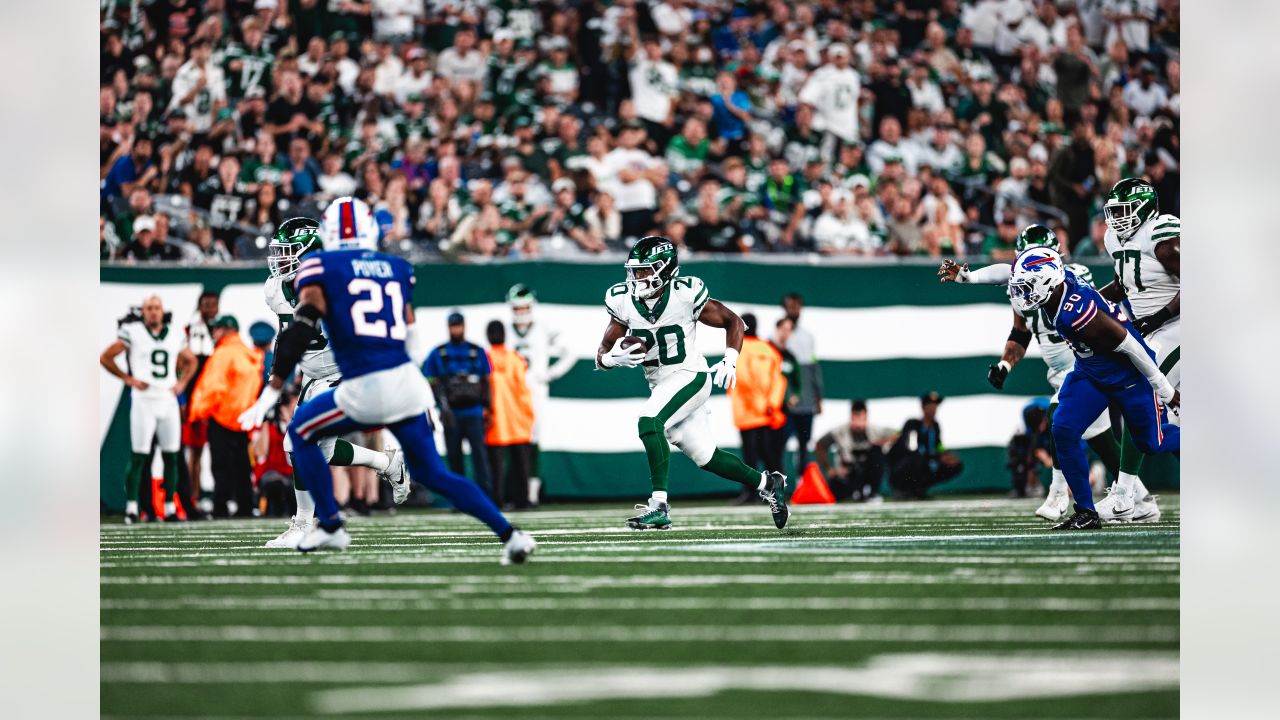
[651, 266]
[1082, 273]
[521, 296]
[1035, 236]
[294, 238]
[1132, 202]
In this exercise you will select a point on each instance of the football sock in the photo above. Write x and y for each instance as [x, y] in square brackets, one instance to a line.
[1130, 456]
[131, 507]
[657, 451]
[730, 467]
[169, 509]
[306, 505]
[1104, 445]
[364, 457]
[1059, 481]
[658, 497]
[170, 475]
[134, 475]
[1126, 481]
[343, 454]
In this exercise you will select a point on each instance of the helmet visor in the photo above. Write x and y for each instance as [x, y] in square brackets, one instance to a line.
[1026, 294]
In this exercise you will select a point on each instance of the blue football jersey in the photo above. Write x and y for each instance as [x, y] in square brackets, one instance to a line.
[366, 293]
[1079, 304]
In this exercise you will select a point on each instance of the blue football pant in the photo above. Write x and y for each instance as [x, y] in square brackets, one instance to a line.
[320, 417]
[1081, 400]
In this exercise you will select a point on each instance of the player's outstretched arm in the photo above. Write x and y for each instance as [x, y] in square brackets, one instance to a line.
[108, 361]
[1015, 348]
[724, 374]
[611, 354]
[997, 274]
[1103, 331]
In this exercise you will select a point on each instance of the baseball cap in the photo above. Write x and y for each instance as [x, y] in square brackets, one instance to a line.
[417, 53]
[563, 183]
[144, 222]
[503, 34]
[930, 397]
[838, 49]
[225, 321]
[455, 317]
[858, 405]
[261, 333]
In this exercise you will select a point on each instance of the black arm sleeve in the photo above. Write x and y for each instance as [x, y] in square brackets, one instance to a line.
[1022, 337]
[293, 341]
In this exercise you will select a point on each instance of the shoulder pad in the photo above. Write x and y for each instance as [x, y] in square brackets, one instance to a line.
[1165, 227]
[691, 290]
[277, 302]
[615, 300]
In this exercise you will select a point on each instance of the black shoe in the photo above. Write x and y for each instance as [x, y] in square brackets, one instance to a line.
[1082, 520]
[774, 494]
[172, 518]
[130, 518]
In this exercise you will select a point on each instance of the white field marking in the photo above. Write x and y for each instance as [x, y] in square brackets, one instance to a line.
[585, 583]
[546, 633]
[300, 671]
[925, 676]
[417, 601]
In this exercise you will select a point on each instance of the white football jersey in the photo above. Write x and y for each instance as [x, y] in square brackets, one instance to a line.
[1148, 285]
[152, 359]
[1055, 351]
[669, 325]
[318, 361]
[537, 344]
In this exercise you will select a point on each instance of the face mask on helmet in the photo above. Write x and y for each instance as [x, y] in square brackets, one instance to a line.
[1122, 217]
[645, 279]
[1027, 295]
[287, 248]
[1035, 274]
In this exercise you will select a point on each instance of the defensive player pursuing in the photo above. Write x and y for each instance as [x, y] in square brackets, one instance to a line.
[537, 343]
[653, 321]
[159, 369]
[294, 239]
[365, 300]
[1112, 364]
[1059, 359]
[1147, 249]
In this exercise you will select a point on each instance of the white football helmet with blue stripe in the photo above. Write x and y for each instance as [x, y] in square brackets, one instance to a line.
[348, 224]
[1036, 272]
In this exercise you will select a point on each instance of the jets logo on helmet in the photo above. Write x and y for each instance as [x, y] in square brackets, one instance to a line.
[651, 266]
[294, 238]
[1035, 236]
[1130, 203]
[349, 224]
[1036, 272]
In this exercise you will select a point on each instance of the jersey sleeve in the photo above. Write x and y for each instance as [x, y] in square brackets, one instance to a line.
[696, 294]
[1077, 313]
[310, 272]
[614, 299]
[1167, 227]
[124, 334]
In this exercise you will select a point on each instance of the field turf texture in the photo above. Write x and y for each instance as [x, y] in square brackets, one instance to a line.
[966, 608]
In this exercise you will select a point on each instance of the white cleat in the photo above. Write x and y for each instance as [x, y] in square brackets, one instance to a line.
[1146, 510]
[1117, 506]
[518, 548]
[396, 475]
[321, 539]
[292, 535]
[1055, 505]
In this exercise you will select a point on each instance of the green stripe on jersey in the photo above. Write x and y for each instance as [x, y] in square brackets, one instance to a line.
[1166, 235]
[682, 396]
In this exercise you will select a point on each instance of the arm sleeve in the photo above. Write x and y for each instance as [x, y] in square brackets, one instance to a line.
[415, 345]
[997, 274]
[1145, 365]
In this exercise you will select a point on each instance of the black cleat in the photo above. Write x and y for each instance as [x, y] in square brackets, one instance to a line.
[172, 518]
[131, 519]
[774, 494]
[1082, 520]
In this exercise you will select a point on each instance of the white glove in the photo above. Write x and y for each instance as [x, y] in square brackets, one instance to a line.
[253, 417]
[1163, 388]
[724, 374]
[624, 358]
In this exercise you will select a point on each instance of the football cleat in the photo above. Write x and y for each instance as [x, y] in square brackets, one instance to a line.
[397, 476]
[773, 494]
[1146, 510]
[1117, 506]
[292, 535]
[131, 519]
[651, 518]
[518, 548]
[172, 518]
[1055, 505]
[321, 539]
[1082, 520]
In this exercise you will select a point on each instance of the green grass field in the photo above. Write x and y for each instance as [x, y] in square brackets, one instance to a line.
[942, 609]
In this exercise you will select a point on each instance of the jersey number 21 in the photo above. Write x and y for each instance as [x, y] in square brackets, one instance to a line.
[371, 302]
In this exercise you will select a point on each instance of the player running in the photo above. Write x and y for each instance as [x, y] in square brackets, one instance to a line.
[365, 300]
[159, 368]
[1059, 359]
[1147, 249]
[1112, 364]
[295, 239]
[537, 343]
[653, 321]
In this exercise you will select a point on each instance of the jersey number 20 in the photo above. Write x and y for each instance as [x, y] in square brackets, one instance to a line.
[371, 303]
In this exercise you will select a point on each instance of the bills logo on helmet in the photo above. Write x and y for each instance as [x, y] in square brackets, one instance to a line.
[1035, 264]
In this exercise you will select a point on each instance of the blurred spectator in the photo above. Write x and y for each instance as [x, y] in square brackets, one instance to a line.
[758, 400]
[859, 467]
[1030, 450]
[918, 460]
[809, 403]
[511, 426]
[227, 385]
[833, 90]
[459, 373]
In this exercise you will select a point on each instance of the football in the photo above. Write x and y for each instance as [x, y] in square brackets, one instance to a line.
[631, 341]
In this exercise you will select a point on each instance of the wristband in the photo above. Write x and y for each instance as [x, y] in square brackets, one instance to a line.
[1022, 337]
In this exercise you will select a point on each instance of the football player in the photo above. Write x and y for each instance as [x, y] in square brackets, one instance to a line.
[159, 369]
[537, 343]
[1113, 363]
[1059, 359]
[1147, 248]
[365, 299]
[295, 239]
[663, 310]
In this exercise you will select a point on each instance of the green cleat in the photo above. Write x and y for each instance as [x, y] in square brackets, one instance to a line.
[651, 518]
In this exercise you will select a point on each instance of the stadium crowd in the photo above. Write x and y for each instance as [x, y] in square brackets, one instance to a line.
[515, 128]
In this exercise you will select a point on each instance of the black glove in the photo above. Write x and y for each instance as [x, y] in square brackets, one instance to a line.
[996, 375]
[1149, 324]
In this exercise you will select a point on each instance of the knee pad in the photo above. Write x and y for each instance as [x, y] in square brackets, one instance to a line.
[648, 426]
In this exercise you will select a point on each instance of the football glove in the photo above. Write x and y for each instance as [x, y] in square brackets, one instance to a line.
[997, 373]
[724, 374]
[257, 412]
[620, 357]
[950, 271]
